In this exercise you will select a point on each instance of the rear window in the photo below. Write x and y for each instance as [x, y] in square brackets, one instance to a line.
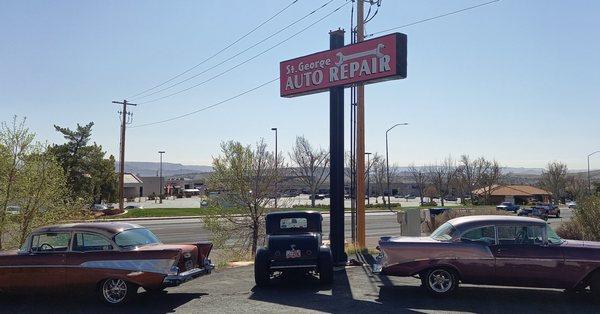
[293, 223]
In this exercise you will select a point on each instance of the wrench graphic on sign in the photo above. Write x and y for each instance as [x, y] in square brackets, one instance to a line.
[376, 52]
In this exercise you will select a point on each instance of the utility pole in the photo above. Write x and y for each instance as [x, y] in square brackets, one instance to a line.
[125, 119]
[276, 166]
[360, 137]
[160, 194]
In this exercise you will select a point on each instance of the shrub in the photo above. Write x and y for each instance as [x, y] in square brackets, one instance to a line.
[570, 230]
[430, 203]
[587, 215]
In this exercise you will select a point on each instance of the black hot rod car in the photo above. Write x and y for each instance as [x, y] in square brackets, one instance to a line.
[294, 243]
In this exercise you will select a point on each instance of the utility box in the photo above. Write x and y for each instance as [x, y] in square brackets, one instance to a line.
[410, 222]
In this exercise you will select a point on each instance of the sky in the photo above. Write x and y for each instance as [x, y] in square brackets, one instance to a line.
[516, 81]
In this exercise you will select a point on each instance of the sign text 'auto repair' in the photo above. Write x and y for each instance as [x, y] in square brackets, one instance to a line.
[374, 60]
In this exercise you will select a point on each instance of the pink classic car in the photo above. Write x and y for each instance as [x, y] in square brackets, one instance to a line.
[492, 250]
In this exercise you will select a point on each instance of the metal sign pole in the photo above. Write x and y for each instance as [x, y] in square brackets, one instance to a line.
[336, 152]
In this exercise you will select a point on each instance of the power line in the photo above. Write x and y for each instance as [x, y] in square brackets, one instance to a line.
[250, 59]
[218, 52]
[433, 18]
[207, 107]
[239, 53]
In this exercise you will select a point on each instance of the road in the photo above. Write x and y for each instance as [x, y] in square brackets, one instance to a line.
[192, 229]
[377, 224]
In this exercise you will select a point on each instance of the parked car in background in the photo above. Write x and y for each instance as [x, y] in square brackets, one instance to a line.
[317, 196]
[111, 259]
[294, 243]
[550, 209]
[534, 211]
[508, 206]
[451, 198]
[99, 207]
[572, 204]
[492, 250]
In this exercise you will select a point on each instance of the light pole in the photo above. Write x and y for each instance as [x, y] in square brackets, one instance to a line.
[368, 178]
[276, 165]
[160, 195]
[387, 161]
[589, 177]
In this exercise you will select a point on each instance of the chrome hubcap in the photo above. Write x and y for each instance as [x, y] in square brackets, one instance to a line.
[114, 290]
[440, 280]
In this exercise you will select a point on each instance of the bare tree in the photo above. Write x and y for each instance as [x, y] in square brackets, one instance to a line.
[554, 178]
[377, 169]
[489, 176]
[420, 178]
[247, 179]
[442, 176]
[576, 187]
[309, 165]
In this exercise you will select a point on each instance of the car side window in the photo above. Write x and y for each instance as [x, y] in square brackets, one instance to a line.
[50, 242]
[88, 242]
[524, 235]
[483, 235]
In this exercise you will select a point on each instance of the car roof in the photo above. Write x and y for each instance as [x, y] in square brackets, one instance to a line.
[106, 228]
[468, 222]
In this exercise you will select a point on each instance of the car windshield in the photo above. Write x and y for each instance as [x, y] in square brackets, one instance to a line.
[444, 232]
[553, 238]
[135, 237]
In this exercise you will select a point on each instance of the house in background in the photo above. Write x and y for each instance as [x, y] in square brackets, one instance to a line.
[518, 194]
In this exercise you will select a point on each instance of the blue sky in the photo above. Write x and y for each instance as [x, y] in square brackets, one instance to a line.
[515, 80]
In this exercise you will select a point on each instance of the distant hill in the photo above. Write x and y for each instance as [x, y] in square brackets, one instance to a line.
[148, 169]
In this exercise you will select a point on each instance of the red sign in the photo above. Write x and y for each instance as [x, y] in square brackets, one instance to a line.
[374, 60]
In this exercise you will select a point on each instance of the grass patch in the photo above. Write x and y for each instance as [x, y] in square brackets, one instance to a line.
[162, 212]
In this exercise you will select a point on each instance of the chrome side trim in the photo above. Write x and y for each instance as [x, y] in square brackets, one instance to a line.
[162, 266]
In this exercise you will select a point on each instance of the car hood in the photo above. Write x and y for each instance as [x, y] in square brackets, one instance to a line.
[580, 244]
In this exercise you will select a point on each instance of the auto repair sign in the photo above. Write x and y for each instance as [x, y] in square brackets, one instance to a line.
[378, 59]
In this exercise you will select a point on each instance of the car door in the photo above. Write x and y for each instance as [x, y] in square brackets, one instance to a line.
[88, 260]
[42, 268]
[475, 260]
[524, 258]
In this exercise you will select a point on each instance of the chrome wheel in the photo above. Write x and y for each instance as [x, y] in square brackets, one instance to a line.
[440, 280]
[114, 291]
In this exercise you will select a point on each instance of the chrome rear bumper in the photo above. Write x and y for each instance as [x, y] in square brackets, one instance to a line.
[176, 280]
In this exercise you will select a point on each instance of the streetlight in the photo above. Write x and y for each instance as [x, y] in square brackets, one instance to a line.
[590, 178]
[368, 178]
[160, 195]
[276, 164]
[387, 161]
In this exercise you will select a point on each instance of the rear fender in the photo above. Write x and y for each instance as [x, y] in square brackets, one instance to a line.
[204, 249]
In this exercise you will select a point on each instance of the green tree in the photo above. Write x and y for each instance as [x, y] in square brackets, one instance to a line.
[32, 181]
[90, 176]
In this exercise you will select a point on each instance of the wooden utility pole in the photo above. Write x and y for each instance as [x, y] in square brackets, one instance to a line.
[360, 138]
[124, 122]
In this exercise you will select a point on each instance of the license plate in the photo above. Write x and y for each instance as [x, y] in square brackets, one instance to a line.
[292, 254]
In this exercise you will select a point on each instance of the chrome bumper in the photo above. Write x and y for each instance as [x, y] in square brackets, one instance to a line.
[176, 280]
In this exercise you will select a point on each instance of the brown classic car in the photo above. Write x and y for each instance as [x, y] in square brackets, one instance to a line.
[111, 259]
[492, 250]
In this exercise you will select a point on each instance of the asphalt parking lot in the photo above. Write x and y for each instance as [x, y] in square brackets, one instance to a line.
[355, 290]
